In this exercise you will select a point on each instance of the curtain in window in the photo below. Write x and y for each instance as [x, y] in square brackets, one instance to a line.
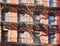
[51, 20]
[51, 38]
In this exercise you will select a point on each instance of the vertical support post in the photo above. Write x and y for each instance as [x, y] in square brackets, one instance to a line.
[0, 25]
[18, 27]
[27, 25]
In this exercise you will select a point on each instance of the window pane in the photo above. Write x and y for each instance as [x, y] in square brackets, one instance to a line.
[37, 1]
[5, 16]
[21, 37]
[36, 18]
[22, 40]
[4, 0]
[51, 3]
[21, 1]
[5, 36]
[51, 23]
[51, 18]
[51, 38]
[21, 17]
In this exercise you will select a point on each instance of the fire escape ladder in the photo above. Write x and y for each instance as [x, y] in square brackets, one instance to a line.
[37, 40]
[29, 31]
[43, 28]
[0, 25]
[33, 35]
[29, 10]
[36, 27]
[27, 25]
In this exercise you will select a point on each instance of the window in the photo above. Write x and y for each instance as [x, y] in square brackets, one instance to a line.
[36, 18]
[52, 3]
[5, 1]
[21, 37]
[5, 16]
[51, 19]
[21, 17]
[22, 1]
[5, 36]
[36, 38]
[51, 38]
[37, 2]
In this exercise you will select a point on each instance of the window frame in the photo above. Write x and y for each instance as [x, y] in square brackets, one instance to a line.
[20, 18]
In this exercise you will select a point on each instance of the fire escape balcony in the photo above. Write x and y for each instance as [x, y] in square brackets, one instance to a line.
[29, 7]
[22, 26]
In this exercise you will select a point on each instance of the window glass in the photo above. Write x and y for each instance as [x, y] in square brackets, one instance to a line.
[21, 17]
[5, 1]
[51, 3]
[51, 38]
[5, 36]
[5, 16]
[21, 37]
[22, 1]
[37, 2]
[51, 18]
[36, 18]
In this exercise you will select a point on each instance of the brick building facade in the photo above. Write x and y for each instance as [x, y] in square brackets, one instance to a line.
[29, 22]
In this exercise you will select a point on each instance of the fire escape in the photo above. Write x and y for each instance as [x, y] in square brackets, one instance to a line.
[29, 8]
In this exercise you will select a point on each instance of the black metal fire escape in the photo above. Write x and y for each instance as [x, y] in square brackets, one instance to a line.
[40, 9]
